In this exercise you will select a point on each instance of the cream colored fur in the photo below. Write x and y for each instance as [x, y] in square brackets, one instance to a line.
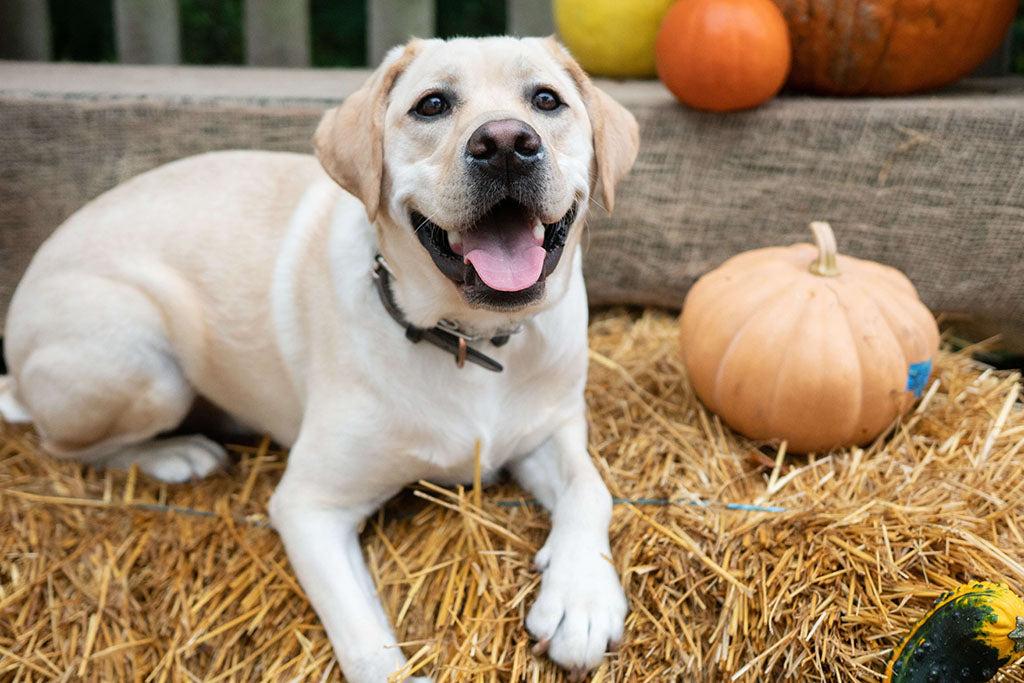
[244, 277]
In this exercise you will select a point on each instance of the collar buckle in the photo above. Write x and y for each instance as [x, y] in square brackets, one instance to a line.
[447, 335]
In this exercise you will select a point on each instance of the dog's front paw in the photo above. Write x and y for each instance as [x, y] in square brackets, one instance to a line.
[580, 611]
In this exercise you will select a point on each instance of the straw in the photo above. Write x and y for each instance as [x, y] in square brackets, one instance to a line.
[741, 562]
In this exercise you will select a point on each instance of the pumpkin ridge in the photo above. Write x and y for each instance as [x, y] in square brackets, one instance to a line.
[860, 360]
[711, 288]
[740, 331]
[889, 47]
[883, 54]
[871, 303]
[743, 278]
[908, 308]
[884, 311]
[844, 66]
[777, 385]
[896, 280]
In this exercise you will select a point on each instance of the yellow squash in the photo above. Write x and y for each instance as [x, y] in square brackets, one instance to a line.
[611, 37]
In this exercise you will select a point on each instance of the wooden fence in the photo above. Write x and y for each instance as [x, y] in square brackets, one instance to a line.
[276, 31]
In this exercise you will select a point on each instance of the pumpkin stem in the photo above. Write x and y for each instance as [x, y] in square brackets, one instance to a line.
[1017, 635]
[826, 264]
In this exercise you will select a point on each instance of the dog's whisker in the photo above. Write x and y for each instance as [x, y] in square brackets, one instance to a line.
[427, 220]
[593, 200]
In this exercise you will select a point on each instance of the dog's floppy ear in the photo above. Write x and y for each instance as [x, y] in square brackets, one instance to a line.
[616, 133]
[349, 141]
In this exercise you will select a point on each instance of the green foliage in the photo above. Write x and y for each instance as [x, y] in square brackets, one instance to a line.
[339, 32]
[211, 32]
[470, 17]
[83, 30]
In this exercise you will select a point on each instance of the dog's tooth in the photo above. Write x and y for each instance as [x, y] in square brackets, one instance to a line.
[538, 232]
[454, 238]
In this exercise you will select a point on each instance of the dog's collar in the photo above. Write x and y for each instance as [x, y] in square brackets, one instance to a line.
[447, 335]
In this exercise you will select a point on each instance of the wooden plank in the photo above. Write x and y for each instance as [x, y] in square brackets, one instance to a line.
[393, 22]
[277, 32]
[530, 18]
[25, 30]
[147, 31]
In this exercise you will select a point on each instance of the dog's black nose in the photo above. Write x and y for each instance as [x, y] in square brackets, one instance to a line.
[505, 147]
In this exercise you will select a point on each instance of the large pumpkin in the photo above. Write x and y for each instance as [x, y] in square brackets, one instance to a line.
[723, 55]
[887, 47]
[803, 345]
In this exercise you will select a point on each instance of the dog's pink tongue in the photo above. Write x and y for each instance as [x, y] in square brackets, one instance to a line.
[507, 256]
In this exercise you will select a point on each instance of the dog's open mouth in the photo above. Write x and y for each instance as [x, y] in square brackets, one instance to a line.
[508, 249]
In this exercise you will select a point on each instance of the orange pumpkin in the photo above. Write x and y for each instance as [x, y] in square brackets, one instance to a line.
[723, 55]
[800, 344]
[887, 47]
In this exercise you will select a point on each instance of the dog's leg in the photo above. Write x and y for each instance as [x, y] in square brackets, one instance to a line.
[94, 369]
[95, 406]
[318, 518]
[581, 608]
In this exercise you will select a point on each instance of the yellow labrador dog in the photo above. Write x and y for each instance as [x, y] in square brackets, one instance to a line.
[416, 291]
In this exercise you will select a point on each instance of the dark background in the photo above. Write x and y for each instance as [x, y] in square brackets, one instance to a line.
[211, 30]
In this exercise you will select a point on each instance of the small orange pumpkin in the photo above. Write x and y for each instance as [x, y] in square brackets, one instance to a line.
[888, 47]
[723, 55]
[800, 344]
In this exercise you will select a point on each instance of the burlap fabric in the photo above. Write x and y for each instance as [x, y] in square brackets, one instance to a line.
[932, 185]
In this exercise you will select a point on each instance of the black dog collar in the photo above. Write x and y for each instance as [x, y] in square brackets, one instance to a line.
[446, 335]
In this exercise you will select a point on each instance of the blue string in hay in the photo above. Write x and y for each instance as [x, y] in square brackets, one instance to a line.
[663, 502]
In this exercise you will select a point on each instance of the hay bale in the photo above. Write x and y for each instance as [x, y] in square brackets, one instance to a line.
[108, 576]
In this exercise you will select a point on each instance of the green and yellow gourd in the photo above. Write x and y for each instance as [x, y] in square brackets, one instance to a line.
[966, 637]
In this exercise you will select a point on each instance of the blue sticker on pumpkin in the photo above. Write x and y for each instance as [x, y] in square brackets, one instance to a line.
[917, 377]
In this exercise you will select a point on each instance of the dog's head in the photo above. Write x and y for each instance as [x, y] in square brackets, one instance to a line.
[477, 160]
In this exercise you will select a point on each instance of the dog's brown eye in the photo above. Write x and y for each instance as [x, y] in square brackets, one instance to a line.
[431, 106]
[546, 100]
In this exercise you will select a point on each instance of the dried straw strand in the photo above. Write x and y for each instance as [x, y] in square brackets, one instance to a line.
[740, 563]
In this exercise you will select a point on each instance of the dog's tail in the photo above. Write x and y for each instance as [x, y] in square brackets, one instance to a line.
[11, 410]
